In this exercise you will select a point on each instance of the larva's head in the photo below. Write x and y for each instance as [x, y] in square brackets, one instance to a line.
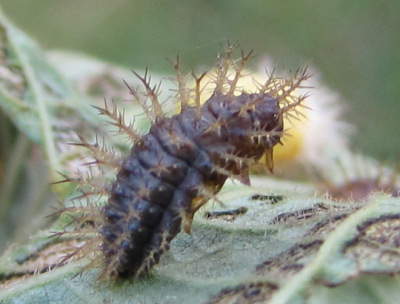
[249, 116]
[250, 125]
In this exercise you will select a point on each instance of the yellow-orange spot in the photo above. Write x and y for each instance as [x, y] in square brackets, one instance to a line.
[293, 143]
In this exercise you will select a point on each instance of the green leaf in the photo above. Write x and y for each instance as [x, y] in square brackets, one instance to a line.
[30, 88]
[227, 256]
[40, 101]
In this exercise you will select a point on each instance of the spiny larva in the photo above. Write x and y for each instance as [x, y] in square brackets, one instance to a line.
[181, 163]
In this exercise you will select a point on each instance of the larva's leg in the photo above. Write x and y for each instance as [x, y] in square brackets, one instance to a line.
[197, 203]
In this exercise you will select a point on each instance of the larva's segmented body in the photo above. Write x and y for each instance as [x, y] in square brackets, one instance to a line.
[182, 162]
[173, 165]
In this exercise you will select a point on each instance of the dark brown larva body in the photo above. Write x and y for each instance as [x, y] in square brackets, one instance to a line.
[180, 164]
[175, 164]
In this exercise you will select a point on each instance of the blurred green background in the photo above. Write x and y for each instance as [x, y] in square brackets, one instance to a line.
[354, 44]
